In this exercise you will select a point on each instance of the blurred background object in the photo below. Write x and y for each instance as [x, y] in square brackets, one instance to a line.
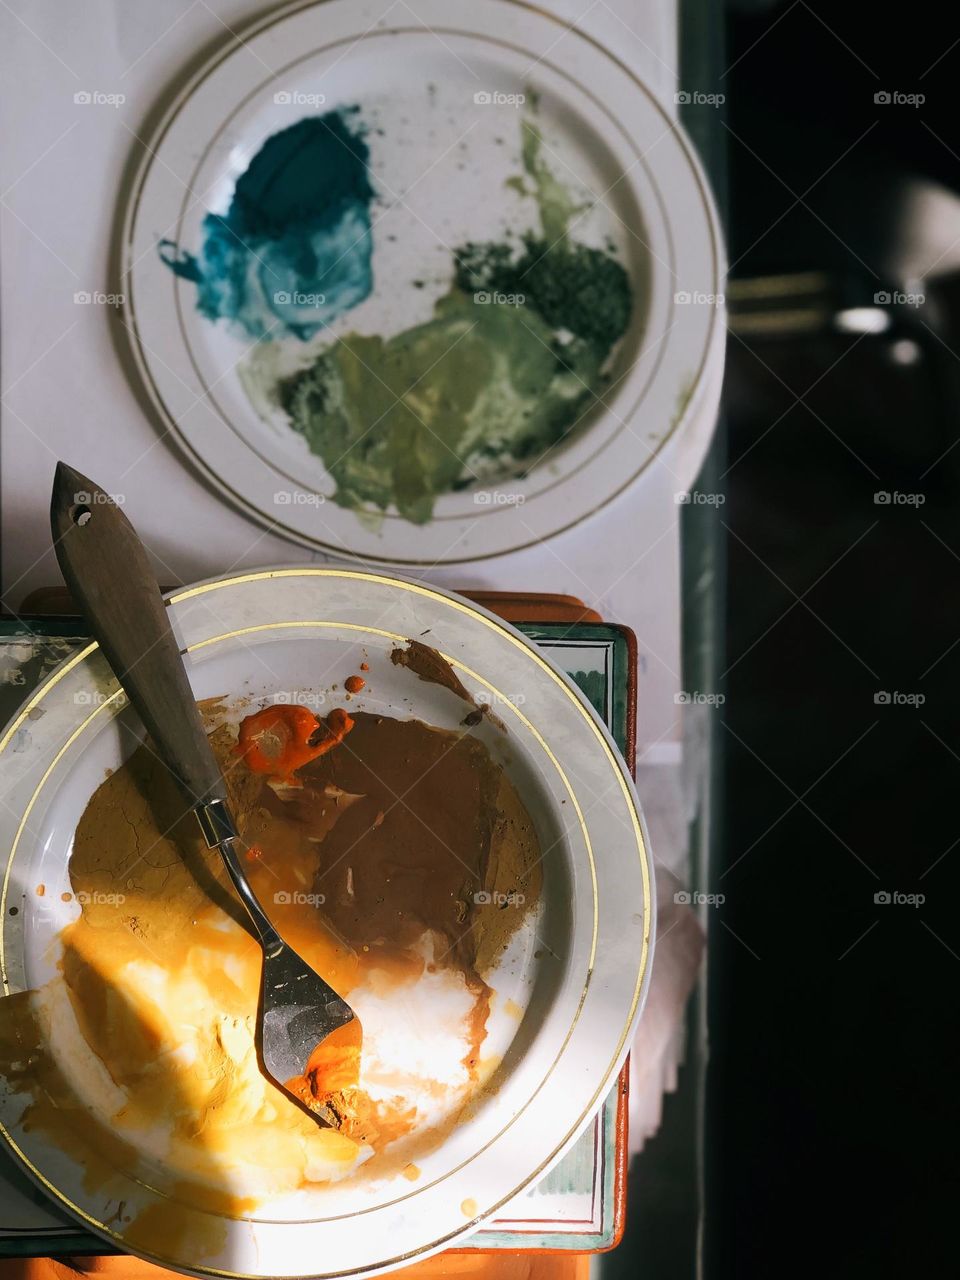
[830, 1103]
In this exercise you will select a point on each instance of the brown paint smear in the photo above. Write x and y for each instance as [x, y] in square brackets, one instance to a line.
[430, 666]
[398, 828]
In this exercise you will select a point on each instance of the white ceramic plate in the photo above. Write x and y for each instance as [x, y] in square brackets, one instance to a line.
[606, 136]
[581, 985]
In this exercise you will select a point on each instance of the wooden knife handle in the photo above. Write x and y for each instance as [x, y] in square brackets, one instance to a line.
[107, 570]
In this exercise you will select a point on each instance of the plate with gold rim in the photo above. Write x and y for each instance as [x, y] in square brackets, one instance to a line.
[423, 286]
[477, 793]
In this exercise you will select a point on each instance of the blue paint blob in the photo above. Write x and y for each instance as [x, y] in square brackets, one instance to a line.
[294, 250]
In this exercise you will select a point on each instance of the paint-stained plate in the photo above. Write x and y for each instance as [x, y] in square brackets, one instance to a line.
[574, 992]
[421, 290]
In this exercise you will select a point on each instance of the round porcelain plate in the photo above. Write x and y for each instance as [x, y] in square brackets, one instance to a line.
[580, 987]
[639, 190]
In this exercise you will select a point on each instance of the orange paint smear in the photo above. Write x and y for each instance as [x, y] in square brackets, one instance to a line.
[279, 740]
[331, 1080]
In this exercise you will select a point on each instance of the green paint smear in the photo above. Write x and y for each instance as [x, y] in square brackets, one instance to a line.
[479, 387]
[572, 286]
[554, 202]
[512, 359]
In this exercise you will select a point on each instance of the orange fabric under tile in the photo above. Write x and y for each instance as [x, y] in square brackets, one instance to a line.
[499, 1264]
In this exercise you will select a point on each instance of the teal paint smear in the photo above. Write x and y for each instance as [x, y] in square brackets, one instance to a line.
[294, 249]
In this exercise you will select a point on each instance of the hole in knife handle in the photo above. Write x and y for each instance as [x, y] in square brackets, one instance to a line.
[80, 514]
